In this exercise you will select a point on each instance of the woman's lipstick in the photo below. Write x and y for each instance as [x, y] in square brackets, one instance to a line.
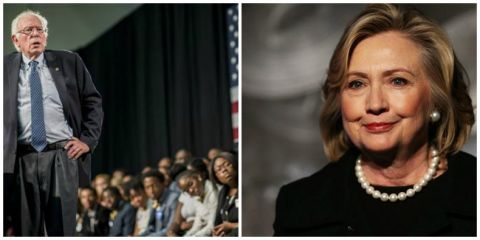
[379, 127]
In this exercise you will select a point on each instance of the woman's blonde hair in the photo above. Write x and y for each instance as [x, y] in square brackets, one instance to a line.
[449, 94]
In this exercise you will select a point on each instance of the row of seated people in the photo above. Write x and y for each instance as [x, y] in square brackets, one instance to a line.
[190, 198]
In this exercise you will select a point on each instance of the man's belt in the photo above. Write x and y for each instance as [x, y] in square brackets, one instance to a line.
[27, 148]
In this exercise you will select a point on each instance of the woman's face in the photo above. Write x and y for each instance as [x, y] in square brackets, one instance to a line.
[195, 185]
[385, 99]
[100, 184]
[138, 198]
[108, 200]
[87, 198]
[224, 171]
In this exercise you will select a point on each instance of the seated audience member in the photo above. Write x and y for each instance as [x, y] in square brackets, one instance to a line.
[185, 210]
[147, 169]
[117, 177]
[224, 171]
[212, 153]
[162, 201]
[175, 170]
[164, 164]
[121, 190]
[198, 164]
[138, 199]
[182, 156]
[127, 178]
[166, 175]
[122, 215]
[93, 220]
[101, 182]
[206, 198]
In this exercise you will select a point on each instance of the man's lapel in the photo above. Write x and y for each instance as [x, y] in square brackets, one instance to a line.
[56, 70]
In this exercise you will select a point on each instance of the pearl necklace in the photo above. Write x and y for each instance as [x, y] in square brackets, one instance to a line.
[402, 195]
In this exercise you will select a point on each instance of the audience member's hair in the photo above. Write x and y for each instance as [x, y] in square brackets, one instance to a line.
[115, 193]
[89, 189]
[182, 174]
[155, 174]
[135, 184]
[199, 165]
[104, 176]
[176, 169]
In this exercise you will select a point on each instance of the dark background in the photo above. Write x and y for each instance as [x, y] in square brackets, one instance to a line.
[163, 76]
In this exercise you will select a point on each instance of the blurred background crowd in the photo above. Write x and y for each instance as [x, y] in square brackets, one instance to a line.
[180, 196]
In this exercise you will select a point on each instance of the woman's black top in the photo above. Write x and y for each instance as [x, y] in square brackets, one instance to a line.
[227, 209]
[94, 223]
[331, 202]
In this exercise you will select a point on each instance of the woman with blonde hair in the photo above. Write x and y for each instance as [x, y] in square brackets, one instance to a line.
[397, 113]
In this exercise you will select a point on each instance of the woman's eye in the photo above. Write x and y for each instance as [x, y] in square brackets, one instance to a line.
[399, 81]
[355, 84]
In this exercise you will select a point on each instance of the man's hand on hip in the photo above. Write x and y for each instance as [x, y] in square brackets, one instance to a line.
[76, 148]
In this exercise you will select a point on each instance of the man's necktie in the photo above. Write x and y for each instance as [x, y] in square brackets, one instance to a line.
[39, 137]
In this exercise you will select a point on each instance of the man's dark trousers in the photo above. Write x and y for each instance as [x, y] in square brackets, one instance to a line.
[46, 184]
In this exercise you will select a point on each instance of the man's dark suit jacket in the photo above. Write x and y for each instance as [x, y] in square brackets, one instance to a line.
[323, 204]
[82, 105]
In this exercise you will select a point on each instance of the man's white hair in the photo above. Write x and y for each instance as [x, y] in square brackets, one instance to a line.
[15, 29]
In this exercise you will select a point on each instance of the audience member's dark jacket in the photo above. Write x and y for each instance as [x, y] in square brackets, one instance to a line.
[100, 222]
[158, 227]
[124, 223]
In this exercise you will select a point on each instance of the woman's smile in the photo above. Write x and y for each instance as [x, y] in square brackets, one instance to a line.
[379, 127]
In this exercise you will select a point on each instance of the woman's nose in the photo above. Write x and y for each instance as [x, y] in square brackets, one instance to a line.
[376, 102]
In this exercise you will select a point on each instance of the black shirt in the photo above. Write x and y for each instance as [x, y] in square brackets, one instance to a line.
[227, 209]
[331, 203]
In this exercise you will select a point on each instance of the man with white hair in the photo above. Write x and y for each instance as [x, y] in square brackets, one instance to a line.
[52, 122]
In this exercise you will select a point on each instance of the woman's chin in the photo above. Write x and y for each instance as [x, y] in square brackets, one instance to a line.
[378, 146]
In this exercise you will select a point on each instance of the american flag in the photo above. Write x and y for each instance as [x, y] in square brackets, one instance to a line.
[232, 40]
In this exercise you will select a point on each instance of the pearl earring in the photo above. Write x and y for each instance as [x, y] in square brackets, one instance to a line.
[435, 116]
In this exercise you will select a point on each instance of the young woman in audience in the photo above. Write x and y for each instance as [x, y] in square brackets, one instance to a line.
[224, 171]
[185, 212]
[205, 204]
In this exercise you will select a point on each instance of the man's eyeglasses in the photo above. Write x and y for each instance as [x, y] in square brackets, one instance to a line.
[29, 30]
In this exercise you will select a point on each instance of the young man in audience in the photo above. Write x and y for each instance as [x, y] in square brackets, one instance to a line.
[138, 200]
[162, 201]
[164, 164]
[182, 156]
[122, 216]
